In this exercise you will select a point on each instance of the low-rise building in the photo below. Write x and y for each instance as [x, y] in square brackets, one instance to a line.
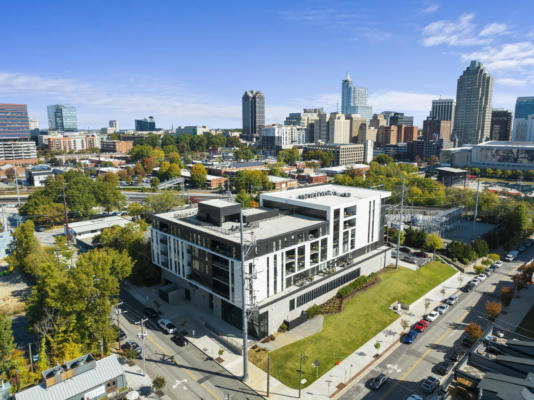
[234, 168]
[344, 154]
[20, 152]
[93, 227]
[82, 378]
[38, 175]
[281, 183]
[116, 146]
[301, 246]
[212, 181]
[339, 170]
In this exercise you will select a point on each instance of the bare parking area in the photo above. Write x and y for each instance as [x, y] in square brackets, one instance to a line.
[13, 292]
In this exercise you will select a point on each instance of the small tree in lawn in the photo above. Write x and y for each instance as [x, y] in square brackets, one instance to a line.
[405, 324]
[377, 347]
[158, 383]
[474, 331]
[443, 291]
[433, 242]
[507, 293]
[493, 309]
[427, 304]
[460, 279]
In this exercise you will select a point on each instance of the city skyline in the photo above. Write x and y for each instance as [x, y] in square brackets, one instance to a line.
[442, 39]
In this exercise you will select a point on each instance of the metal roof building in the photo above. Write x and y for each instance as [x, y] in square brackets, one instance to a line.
[82, 378]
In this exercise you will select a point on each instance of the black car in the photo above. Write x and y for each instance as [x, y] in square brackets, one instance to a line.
[455, 355]
[122, 335]
[150, 312]
[377, 382]
[466, 341]
[405, 250]
[444, 367]
[468, 287]
[179, 340]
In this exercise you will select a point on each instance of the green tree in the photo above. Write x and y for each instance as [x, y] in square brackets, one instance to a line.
[383, 159]
[80, 194]
[481, 247]
[243, 198]
[24, 243]
[433, 242]
[158, 383]
[198, 175]
[7, 344]
[162, 203]
[174, 158]
[163, 170]
[108, 196]
[289, 156]
[154, 183]
[135, 210]
[139, 152]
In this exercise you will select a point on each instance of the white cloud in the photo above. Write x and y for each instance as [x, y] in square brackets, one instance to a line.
[462, 32]
[494, 29]
[511, 82]
[508, 56]
[430, 9]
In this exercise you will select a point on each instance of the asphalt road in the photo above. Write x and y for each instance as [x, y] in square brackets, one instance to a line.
[192, 376]
[408, 365]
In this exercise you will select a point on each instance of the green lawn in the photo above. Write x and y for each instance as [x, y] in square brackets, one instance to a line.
[526, 327]
[363, 317]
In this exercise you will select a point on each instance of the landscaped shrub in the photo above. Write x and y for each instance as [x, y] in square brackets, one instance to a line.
[494, 256]
[313, 311]
[460, 250]
[487, 261]
[282, 328]
[479, 269]
[355, 285]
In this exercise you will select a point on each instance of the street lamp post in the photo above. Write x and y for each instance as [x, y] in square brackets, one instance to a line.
[118, 311]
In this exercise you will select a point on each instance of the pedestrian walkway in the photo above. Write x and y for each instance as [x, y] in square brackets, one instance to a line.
[138, 382]
[328, 385]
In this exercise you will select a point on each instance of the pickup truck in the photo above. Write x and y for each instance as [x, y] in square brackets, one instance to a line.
[511, 255]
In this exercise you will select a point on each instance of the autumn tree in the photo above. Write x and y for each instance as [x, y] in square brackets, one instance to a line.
[493, 309]
[198, 175]
[433, 242]
[474, 331]
[507, 293]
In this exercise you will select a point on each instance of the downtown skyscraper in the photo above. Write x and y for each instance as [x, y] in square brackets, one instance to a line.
[14, 121]
[472, 115]
[62, 118]
[354, 99]
[253, 104]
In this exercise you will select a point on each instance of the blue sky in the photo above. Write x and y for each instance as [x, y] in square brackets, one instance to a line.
[190, 62]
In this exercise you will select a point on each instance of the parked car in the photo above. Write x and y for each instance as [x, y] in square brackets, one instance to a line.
[452, 299]
[414, 397]
[377, 382]
[179, 340]
[430, 384]
[150, 312]
[442, 309]
[166, 326]
[498, 264]
[475, 281]
[455, 355]
[405, 250]
[492, 268]
[444, 367]
[422, 254]
[394, 253]
[432, 316]
[410, 337]
[409, 259]
[521, 249]
[467, 288]
[132, 344]
[482, 276]
[122, 335]
[511, 256]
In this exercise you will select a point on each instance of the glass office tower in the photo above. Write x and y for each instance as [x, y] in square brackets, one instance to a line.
[62, 118]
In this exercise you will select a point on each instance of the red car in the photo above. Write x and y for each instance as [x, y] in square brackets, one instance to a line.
[423, 322]
[421, 325]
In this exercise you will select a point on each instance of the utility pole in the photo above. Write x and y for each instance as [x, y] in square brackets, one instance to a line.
[476, 209]
[31, 358]
[66, 215]
[268, 373]
[244, 301]
[142, 335]
[400, 227]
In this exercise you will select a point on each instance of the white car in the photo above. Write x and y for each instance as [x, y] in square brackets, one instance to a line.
[432, 316]
[482, 276]
[476, 281]
[166, 325]
[414, 397]
[498, 264]
[442, 309]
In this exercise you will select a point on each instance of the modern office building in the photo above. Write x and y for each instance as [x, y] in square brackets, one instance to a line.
[114, 125]
[377, 121]
[387, 135]
[501, 124]
[443, 110]
[524, 106]
[195, 130]
[14, 121]
[358, 127]
[410, 133]
[307, 119]
[145, 124]
[278, 137]
[116, 146]
[354, 99]
[338, 128]
[472, 115]
[62, 118]
[434, 129]
[301, 245]
[253, 103]
[398, 118]
[344, 154]
[320, 128]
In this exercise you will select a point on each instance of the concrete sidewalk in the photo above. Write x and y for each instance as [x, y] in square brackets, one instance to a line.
[331, 384]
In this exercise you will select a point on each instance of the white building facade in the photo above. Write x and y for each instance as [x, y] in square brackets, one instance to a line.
[301, 246]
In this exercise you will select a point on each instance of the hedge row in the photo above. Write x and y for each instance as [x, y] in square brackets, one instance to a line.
[355, 285]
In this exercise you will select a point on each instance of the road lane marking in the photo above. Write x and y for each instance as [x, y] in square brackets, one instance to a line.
[185, 370]
[422, 357]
